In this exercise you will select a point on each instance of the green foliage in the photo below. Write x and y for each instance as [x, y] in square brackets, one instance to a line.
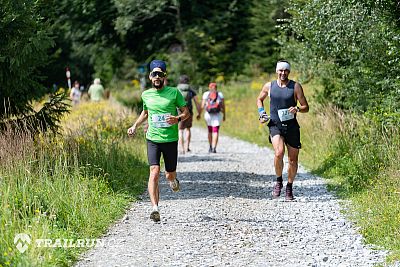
[354, 47]
[205, 39]
[263, 33]
[129, 96]
[89, 44]
[47, 118]
[24, 44]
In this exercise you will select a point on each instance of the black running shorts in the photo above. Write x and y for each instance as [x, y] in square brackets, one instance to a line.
[289, 132]
[169, 152]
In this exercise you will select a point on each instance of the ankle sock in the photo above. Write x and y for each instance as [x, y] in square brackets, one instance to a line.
[279, 179]
[155, 208]
[289, 185]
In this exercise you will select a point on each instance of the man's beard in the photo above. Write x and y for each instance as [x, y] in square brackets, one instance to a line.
[159, 85]
[283, 77]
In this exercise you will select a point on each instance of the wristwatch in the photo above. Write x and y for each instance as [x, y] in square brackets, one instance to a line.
[298, 109]
[179, 119]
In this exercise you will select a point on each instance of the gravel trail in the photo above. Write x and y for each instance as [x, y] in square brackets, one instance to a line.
[224, 216]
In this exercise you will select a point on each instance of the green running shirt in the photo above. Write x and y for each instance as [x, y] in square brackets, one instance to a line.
[160, 104]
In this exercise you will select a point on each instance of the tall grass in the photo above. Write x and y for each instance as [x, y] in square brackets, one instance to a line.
[358, 157]
[362, 163]
[67, 187]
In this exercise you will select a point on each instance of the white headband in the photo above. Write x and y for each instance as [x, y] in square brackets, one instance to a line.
[282, 66]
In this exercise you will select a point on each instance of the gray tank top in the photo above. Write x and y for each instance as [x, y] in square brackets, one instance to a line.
[281, 98]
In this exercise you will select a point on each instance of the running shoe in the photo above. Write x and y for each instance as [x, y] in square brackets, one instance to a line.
[174, 185]
[289, 193]
[210, 150]
[277, 189]
[214, 150]
[155, 216]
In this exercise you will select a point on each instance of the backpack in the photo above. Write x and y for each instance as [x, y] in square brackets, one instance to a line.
[187, 94]
[213, 105]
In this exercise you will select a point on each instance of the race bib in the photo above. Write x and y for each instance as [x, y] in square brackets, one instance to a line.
[285, 115]
[159, 120]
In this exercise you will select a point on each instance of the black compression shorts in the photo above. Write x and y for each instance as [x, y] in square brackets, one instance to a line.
[169, 152]
[290, 133]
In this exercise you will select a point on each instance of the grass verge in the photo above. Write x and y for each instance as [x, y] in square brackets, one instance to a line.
[67, 187]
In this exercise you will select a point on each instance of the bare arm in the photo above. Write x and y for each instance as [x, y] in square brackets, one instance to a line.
[203, 103]
[263, 116]
[183, 116]
[139, 121]
[263, 95]
[198, 107]
[223, 109]
[300, 97]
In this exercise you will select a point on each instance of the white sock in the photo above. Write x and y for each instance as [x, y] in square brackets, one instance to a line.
[155, 208]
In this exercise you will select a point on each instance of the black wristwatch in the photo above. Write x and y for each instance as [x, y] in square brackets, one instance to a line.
[179, 119]
[298, 109]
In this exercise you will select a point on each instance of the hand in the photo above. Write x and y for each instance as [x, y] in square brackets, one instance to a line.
[198, 117]
[264, 117]
[172, 119]
[132, 131]
[292, 110]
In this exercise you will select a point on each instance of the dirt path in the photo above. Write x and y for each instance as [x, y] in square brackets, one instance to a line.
[224, 216]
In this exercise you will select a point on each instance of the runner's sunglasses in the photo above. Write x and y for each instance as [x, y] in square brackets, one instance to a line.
[158, 73]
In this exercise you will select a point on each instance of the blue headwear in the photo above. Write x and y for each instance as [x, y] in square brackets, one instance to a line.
[158, 64]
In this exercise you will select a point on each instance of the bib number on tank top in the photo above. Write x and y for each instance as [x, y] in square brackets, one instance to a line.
[285, 115]
[159, 120]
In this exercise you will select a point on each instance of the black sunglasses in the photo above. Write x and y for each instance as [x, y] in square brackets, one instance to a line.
[158, 73]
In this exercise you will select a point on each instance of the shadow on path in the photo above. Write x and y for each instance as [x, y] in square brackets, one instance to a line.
[222, 184]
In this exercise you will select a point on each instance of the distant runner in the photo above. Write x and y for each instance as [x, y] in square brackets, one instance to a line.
[283, 126]
[160, 105]
[184, 126]
[214, 106]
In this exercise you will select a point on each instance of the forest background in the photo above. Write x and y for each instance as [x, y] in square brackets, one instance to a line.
[347, 51]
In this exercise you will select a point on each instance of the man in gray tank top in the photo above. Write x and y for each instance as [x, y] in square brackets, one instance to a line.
[286, 100]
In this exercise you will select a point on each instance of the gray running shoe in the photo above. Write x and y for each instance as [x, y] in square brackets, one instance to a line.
[155, 216]
[174, 185]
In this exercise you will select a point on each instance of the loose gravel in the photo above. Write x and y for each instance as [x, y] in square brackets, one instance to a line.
[224, 216]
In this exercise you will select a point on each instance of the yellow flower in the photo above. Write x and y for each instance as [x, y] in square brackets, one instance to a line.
[256, 85]
[220, 79]
[135, 83]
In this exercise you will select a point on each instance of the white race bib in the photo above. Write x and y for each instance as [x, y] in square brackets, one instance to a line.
[159, 120]
[285, 115]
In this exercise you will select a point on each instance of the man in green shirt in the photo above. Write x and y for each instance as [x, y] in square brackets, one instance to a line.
[96, 90]
[160, 105]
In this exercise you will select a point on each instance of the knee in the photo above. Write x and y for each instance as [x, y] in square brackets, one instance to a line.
[279, 153]
[293, 161]
[155, 173]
